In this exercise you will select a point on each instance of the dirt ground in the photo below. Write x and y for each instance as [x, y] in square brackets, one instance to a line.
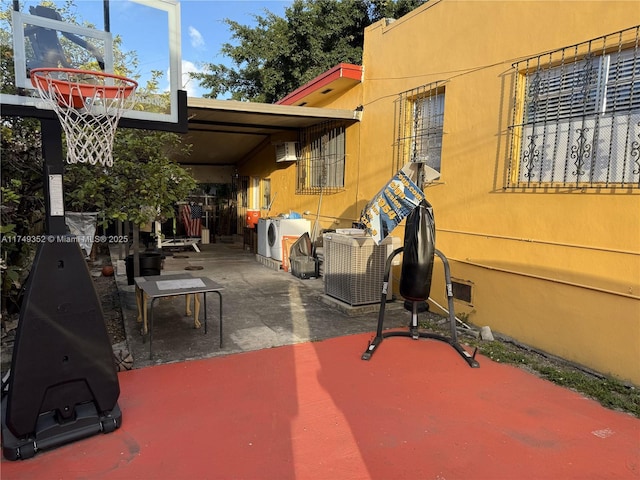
[109, 298]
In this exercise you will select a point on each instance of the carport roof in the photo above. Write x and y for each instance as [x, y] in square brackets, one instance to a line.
[225, 132]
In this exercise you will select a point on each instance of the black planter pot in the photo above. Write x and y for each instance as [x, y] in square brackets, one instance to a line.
[150, 264]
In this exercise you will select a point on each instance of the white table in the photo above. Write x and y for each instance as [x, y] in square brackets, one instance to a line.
[159, 286]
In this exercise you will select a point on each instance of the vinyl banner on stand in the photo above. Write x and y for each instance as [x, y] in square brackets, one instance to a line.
[392, 204]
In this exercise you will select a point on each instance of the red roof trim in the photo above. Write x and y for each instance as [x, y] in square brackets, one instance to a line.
[342, 70]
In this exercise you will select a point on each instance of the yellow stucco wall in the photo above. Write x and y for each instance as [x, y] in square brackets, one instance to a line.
[556, 269]
[559, 270]
[336, 210]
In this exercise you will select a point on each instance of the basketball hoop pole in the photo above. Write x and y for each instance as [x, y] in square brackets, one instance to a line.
[53, 169]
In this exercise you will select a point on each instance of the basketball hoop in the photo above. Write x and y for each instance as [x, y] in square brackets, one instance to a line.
[89, 105]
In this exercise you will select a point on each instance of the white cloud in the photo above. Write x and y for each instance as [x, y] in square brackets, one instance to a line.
[197, 41]
[188, 84]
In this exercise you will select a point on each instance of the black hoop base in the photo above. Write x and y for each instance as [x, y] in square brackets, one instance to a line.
[63, 384]
[50, 433]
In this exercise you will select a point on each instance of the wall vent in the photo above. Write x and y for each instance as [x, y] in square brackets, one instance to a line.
[461, 291]
[286, 152]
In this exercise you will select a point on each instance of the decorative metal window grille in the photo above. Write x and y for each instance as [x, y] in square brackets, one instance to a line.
[321, 161]
[576, 115]
[419, 122]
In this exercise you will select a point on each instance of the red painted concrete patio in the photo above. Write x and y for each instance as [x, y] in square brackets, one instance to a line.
[316, 411]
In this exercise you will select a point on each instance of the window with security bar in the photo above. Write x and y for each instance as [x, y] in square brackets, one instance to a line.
[321, 159]
[419, 123]
[576, 118]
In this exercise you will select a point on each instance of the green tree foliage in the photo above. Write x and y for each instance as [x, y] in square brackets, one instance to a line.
[143, 184]
[279, 54]
[22, 205]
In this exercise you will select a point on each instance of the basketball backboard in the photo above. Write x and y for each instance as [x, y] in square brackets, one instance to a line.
[138, 39]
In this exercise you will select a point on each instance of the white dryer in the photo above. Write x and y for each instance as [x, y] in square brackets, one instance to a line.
[264, 248]
[280, 227]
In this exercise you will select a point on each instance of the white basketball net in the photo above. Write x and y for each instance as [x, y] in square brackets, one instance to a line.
[89, 106]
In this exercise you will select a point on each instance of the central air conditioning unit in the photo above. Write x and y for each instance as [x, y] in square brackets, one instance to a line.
[286, 152]
[354, 267]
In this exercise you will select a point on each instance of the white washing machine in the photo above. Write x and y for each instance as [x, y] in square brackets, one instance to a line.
[280, 227]
[264, 248]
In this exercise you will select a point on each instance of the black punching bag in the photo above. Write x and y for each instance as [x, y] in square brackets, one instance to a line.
[419, 248]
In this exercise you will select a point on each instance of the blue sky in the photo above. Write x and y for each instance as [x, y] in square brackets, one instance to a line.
[203, 29]
[204, 32]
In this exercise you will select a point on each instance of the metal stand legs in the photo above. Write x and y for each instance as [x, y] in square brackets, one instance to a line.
[413, 331]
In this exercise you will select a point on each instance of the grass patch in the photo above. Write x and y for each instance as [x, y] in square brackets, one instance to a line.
[609, 392]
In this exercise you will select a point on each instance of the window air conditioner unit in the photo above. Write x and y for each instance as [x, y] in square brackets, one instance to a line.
[286, 152]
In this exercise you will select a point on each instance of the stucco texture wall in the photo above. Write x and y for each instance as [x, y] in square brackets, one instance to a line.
[329, 211]
[558, 269]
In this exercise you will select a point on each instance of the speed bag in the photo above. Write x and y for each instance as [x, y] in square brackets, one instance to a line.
[419, 248]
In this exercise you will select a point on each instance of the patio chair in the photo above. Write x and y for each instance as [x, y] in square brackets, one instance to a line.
[415, 283]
